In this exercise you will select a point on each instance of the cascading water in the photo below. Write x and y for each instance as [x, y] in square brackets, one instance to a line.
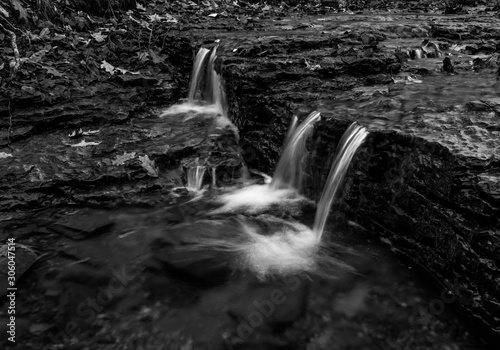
[206, 89]
[215, 94]
[287, 179]
[277, 252]
[195, 177]
[290, 169]
[273, 246]
[214, 177]
[295, 248]
[291, 130]
[196, 76]
[206, 99]
[352, 138]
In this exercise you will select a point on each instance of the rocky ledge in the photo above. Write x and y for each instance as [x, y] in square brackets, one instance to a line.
[427, 179]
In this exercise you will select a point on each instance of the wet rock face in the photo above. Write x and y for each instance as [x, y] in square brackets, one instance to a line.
[438, 205]
[98, 163]
[269, 77]
[429, 202]
[427, 181]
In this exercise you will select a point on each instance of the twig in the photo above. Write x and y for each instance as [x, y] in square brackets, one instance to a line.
[5, 20]
[13, 43]
[10, 125]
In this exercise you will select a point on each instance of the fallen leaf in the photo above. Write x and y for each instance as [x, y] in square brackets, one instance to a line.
[149, 166]
[53, 71]
[99, 37]
[37, 56]
[108, 67]
[29, 89]
[142, 56]
[141, 23]
[165, 18]
[125, 71]
[84, 143]
[113, 70]
[58, 36]
[120, 160]
[45, 32]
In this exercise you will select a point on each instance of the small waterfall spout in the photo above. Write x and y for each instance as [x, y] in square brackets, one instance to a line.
[206, 96]
[352, 138]
[195, 178]
[214, 177]
[196, 75]
[289, 172]
[206, 83]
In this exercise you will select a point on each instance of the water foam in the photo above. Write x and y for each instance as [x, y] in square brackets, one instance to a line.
[290, 250]
[255, 198]
[190, 110]
[206, 96]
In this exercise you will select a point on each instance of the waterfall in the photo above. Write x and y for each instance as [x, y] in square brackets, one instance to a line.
[290, 169]
[195, 178]
[285, 246]
[352, 138]
[206, 84]
[214, 177]
[215, 94]
[196, 75]
[206, 96]
[291, 129]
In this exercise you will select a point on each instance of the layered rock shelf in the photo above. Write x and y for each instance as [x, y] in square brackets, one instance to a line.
[425, 182]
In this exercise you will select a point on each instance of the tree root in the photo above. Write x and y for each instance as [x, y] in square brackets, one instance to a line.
[14, 65]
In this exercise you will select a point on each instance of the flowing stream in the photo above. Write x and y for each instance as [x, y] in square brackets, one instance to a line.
[286, 246]
[206, 99]
[232, 265]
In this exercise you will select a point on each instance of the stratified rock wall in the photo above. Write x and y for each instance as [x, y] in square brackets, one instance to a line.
[440, 209]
